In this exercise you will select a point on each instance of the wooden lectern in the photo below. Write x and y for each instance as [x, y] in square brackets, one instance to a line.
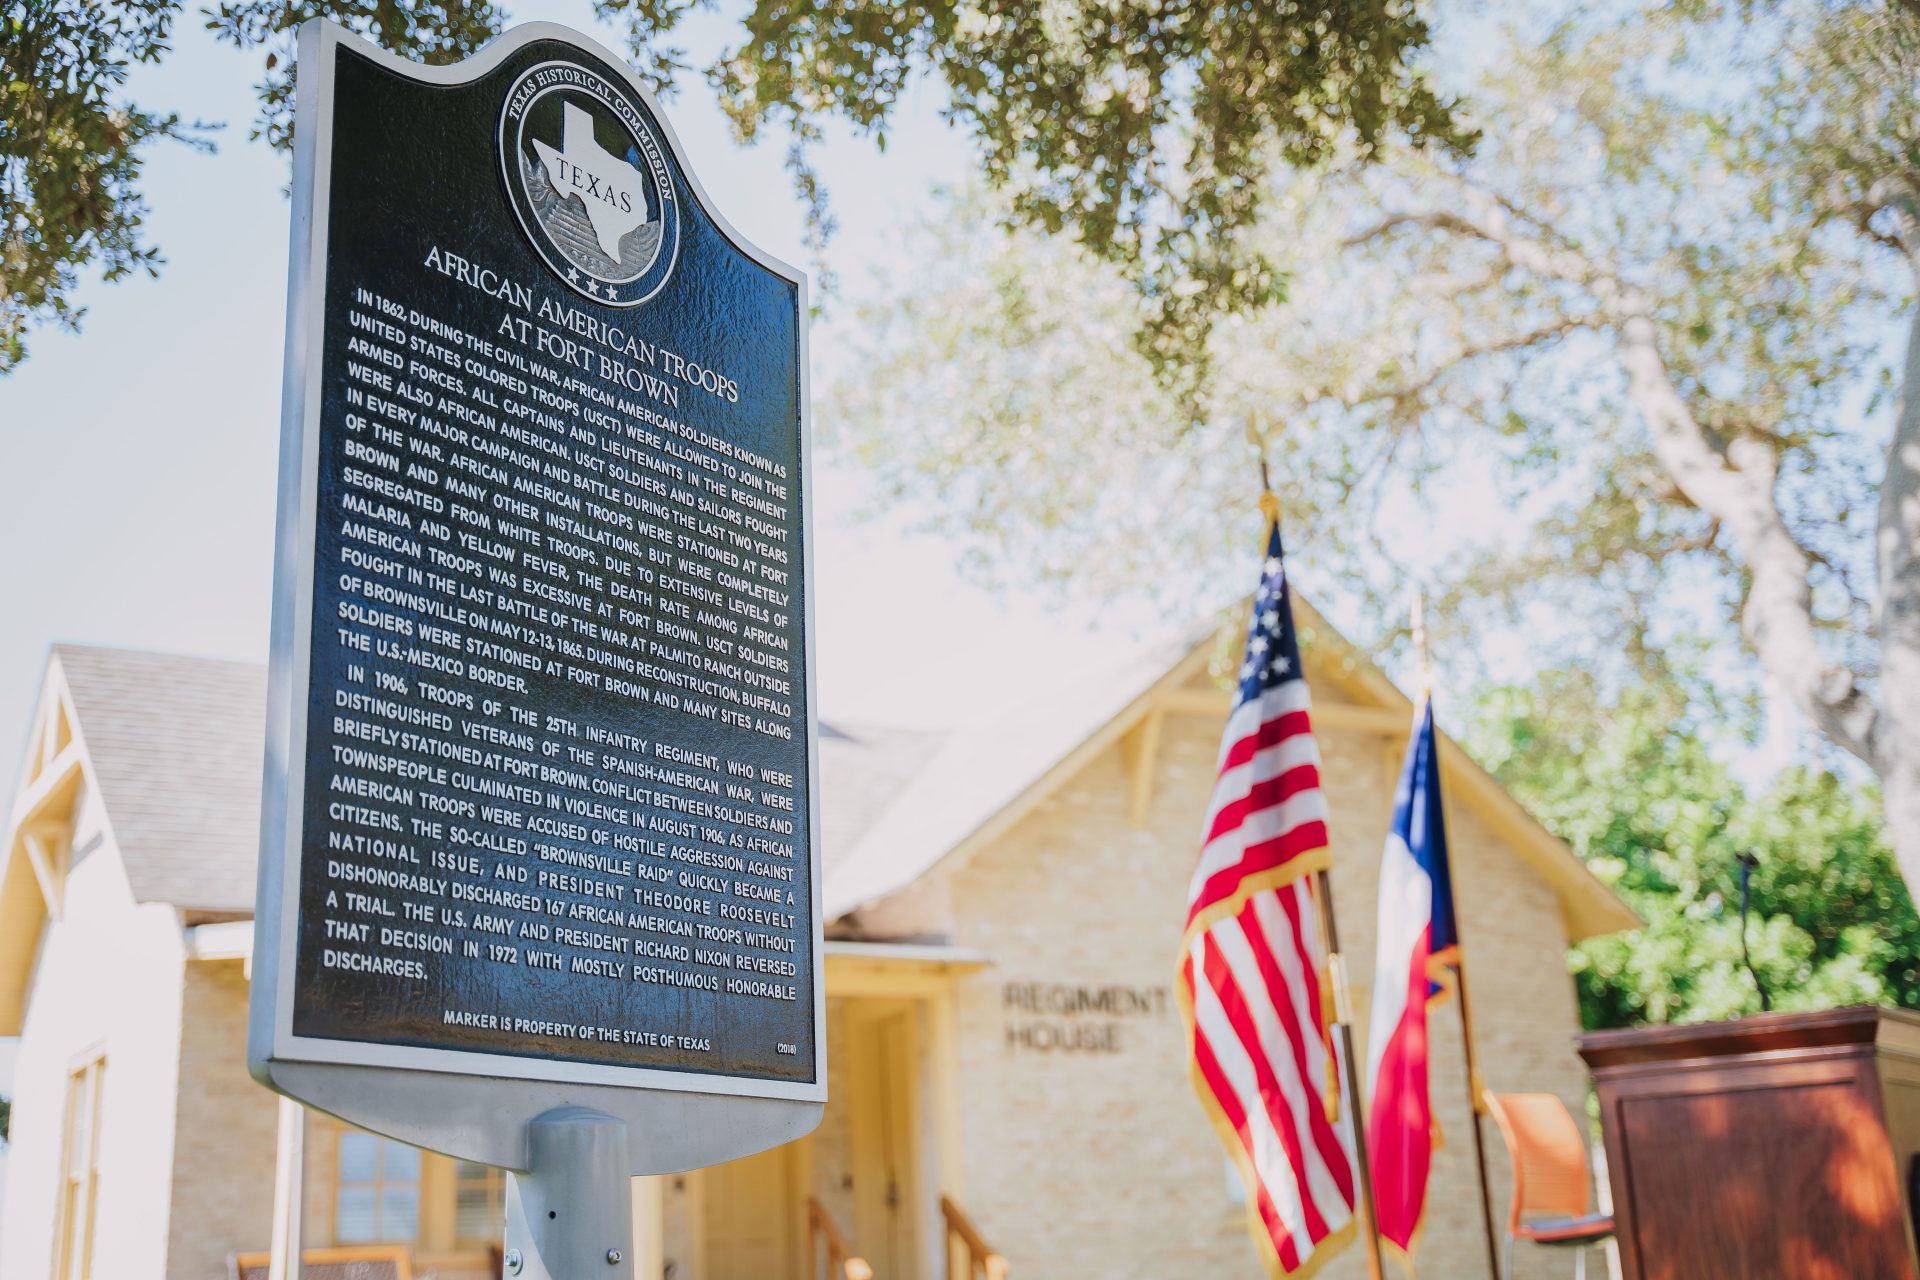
[1778, 1147]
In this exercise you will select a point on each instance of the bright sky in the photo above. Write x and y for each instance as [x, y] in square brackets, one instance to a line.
[137, 457]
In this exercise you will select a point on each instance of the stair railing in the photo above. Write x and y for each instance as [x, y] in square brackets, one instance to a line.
[980, 1260]
[842, 1262]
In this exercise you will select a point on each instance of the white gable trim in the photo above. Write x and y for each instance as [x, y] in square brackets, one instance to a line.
[37, 845]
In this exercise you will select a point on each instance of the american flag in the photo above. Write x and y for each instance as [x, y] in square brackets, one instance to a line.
[1253, 968]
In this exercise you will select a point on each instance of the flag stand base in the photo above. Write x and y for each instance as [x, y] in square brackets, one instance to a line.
[570, 1216]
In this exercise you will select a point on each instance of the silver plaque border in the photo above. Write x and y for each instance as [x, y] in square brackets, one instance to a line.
[468, 1104]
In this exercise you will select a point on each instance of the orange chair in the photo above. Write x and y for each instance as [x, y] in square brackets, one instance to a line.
[1549, 1177]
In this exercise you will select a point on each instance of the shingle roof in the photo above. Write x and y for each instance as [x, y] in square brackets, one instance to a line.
[176, 746]
[863, 770]
[983, 770]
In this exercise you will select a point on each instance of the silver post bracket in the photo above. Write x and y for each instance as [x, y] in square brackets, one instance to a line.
[570, 1216]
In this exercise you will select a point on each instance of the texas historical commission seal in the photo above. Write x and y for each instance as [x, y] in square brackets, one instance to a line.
[588, 178]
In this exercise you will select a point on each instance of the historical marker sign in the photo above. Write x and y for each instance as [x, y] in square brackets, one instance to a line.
[540, 786]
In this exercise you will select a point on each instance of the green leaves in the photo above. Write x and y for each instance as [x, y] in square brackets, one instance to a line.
[430, 31]
[1147, 130]
[71, 154]
[1453, 324]
[73, 149]
[1630, 782]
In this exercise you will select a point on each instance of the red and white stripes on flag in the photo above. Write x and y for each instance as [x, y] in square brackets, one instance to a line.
[1252, 975]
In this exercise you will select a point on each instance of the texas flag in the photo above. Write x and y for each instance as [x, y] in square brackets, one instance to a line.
[1418, 941]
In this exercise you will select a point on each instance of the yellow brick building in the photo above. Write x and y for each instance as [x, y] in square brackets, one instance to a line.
[1004, 908]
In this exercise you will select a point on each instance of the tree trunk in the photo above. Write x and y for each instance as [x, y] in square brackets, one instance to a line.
[1734, 480]
[1735, 484]
[1897, 558]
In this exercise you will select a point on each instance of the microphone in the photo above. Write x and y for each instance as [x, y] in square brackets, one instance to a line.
[1747, 863]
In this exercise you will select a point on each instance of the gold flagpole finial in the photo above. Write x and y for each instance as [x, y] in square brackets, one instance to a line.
[1269, 501]
[1420, 642]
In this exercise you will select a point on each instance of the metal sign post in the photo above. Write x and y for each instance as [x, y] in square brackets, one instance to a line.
[289, 1182]
[570, 1217]
[539, 884]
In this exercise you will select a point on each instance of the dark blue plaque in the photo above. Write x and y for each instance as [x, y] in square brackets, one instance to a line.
[540, 785]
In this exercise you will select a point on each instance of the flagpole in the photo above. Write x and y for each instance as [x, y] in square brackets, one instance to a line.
[1343, 1020]
[1474, 1101]
[1476, 1107]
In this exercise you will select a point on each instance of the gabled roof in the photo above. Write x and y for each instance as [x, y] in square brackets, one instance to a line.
[1589, 907]
[862, 770]
[986, 779]
[175, 746]
[171, 747]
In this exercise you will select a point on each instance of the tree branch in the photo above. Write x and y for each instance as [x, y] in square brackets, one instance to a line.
[1733, 484]
[1488, 221]
[1423, 382]
[1736, 488]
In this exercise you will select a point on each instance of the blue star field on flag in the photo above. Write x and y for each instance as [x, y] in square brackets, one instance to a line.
[1273, 650]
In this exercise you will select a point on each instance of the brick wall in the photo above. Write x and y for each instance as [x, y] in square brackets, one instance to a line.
[226, 1133]
[1101, 1163]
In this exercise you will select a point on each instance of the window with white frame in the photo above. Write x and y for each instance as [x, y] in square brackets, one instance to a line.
[79, 1172]
[479, 1202]
[377, 1194]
